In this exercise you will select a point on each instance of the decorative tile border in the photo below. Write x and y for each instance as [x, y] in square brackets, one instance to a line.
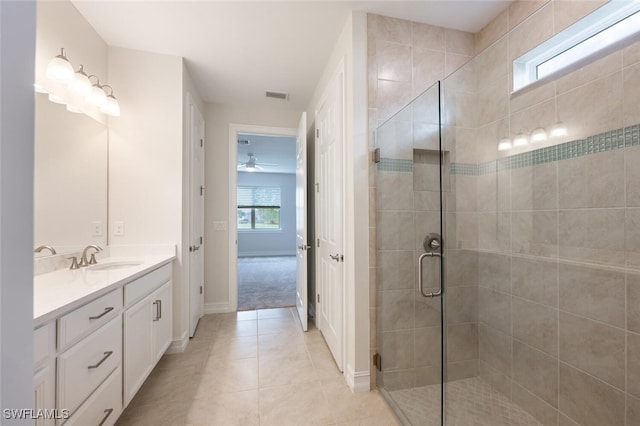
[395, 165]
[603, 142]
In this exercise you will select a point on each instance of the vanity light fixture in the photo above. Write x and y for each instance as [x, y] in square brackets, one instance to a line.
[558, 130]
[504, 144]
[75, 89]
[59, 69]
[520, 140]
[111, 105]
[539, 135]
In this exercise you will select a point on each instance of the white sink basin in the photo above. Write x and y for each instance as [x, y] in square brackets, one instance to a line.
[110, 266]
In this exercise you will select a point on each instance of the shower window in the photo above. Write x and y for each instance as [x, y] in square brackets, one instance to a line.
[596, 34]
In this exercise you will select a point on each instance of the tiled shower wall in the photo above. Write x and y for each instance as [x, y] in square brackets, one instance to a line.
[552, 236]
[405, 59]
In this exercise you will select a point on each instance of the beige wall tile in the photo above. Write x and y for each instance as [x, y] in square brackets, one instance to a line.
[631, 54]
[520, 10]
[631, 90]
[395, 270]
[462, 342]
[526, 98]
[397, 347]
[462, 370]
[593, 347]
[535, 324]
[495, 378]
[633, 411]
[566, 12]
[535, 188]
[488, 138]
[593, 292]
[492, 64]
[459, 108]
[588, 400]
[492, 31]
[540, 115]
[538, 408]
[395, 380]
[427, 347]
[531, 32]
[535, 233]
[592, 108]
[573, 183]
[466, 199]
[428, 36]
[394, 191]
[394, 61]
[428, 68]
[396, 309]
[633, 301]
[394, 230]
[535, 280]
[590, 72]
[494, 231]
[493, 101]
[536, 372]
[426, 200]
[462, 267]
[487, 192]
[632, 176]
[391, 97]
[459, 42]
[632, 237]
[395, 139]
[392, 29]
[494, 271]
[606, 179]
[633, 364]
[494, 348]
[462, 305]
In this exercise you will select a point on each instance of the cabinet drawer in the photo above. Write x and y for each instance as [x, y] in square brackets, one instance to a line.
[85, 365]
[104, 406]
[88, 317]
[43, 345]
[144, 285]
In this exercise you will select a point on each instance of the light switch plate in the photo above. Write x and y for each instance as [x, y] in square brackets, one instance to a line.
[118, 228]
[96, 229]
[219, 225]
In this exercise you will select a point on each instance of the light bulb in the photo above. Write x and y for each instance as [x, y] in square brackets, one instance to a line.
[520, 140]
[59, 69]
[539, 135]
[504, 144]
[111, 106]
[96, 96]
[559, 129]
[80, 84]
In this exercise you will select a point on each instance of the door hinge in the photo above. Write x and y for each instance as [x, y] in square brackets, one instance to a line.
[200, 289]
[201, 143]
[376, 155]
[318, 297]
[377, 361]
[201, 240]
[318, 133]
[201, 190]
[318, 242]
[317, 187]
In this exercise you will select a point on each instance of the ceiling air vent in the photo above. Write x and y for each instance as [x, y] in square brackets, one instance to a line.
[276, 95]
[243, 142]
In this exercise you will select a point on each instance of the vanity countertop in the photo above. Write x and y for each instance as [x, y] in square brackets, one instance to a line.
[62, 291]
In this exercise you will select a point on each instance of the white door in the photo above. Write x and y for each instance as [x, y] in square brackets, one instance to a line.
[301, 221]
[329, 220]
[196, 235]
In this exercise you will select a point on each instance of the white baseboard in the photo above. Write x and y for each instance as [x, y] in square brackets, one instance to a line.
[179, 345]
[267, 253]
[358, 381]
[217, 308]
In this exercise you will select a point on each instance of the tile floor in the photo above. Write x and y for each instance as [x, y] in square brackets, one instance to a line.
[253, 368]
[470, 402]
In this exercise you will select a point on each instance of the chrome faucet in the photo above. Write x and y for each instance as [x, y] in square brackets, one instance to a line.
[40, 248]
[92, 261]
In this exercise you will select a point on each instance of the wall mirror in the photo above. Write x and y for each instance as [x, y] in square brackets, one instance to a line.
[70, 200]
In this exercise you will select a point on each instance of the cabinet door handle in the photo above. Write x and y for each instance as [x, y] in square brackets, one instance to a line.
[158, 304]
[106, 355]
[106, 311]
[107, 413]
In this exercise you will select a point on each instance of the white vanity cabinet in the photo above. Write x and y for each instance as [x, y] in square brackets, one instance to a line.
[92, 355]
[44, 378]
[147, 327]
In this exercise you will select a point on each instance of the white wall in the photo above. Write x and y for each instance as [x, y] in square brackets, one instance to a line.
[146, 159]
[271, 242]
[17, 47]
[217, 149]
[352, 48]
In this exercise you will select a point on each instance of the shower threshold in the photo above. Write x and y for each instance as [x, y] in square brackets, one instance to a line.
[469, 402]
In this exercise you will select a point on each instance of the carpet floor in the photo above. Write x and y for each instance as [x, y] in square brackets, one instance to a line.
[266, 282]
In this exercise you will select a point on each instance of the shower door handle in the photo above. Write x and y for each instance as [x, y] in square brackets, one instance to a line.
[422, 256]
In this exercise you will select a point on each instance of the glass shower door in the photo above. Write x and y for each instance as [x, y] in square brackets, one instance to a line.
[409, 249]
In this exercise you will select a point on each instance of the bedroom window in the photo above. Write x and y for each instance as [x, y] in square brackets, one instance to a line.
[258, 208]
[594, 36]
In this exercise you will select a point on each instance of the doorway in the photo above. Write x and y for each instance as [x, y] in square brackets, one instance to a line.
[263, 221]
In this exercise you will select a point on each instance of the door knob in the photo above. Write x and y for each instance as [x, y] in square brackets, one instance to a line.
[337, 257]
[304, 247]
[194, 248]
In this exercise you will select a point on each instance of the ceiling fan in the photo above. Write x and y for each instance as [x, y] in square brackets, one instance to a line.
[252, 165]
